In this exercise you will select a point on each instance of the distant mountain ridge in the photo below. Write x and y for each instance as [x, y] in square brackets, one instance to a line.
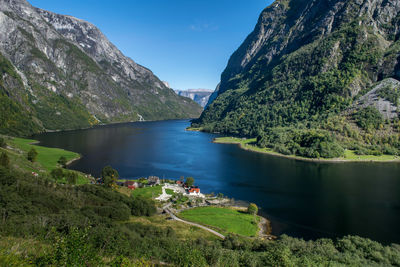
[60, 72]
[200, 96]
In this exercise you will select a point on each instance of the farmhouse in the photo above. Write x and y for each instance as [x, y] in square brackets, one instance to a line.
[131, 184]
[194, 191]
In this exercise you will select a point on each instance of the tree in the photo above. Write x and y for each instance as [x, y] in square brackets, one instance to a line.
[57, 173]
[32, 155]
[62, 161]
[4, 160]
[189, 181]
[109, 176]
[252, 209]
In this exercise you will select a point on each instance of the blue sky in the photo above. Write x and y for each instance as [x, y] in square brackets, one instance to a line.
[184, 42]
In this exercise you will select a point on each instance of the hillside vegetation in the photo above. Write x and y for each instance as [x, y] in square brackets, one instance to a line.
[295, 81]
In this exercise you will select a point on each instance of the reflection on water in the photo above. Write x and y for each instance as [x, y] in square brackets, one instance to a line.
[303, 199]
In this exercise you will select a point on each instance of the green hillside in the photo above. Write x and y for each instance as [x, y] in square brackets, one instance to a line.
[298, 96]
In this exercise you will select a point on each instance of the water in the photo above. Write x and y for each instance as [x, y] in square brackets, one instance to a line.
[302, 199]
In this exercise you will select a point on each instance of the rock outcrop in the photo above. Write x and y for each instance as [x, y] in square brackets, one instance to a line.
[200, 96]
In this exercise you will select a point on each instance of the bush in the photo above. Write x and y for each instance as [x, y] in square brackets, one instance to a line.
[32, 155]
[62, 161]
[252, 209]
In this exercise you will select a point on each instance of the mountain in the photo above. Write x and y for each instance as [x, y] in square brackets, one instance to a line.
[200, 96]
[305, 64]
[60, 72]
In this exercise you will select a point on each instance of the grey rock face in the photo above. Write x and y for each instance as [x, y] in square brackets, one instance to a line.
[285, 26]
[373, 98]
[68, 67]
[213, 95]
[200, 96]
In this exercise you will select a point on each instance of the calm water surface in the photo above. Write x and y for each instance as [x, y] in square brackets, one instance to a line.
[302, 199]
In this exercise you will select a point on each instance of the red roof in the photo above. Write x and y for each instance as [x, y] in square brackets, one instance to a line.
[191, 190]
[131, 187]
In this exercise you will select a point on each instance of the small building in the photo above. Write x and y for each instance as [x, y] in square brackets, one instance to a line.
[179, 183]
[153, 180]
[131, 184]
[194, 190]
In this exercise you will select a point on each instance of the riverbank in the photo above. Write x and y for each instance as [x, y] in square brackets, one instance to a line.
[350, 156]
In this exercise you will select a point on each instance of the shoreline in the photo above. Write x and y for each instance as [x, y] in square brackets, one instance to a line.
[100, 125]
[252, 148]
[37, 143]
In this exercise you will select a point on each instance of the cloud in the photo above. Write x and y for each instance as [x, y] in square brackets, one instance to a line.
[202, 27]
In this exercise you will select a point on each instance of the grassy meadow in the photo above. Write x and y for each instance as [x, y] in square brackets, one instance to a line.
[227, 219]
[47, 156]
[148, 192]
[249, 144]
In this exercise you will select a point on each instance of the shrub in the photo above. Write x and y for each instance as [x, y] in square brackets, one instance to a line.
[252, 209]
[32, 155]
[62, 161]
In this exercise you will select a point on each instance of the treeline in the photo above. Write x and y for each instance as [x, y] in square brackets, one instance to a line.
[301, 142]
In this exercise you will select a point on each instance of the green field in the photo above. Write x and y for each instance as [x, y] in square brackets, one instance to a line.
[249, 144]
[148, 192]
[350, 155]
[169, 191]
[226, 219]
[46, 160]
[47, 156]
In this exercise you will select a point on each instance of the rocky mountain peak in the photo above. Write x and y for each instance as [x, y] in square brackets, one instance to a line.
[286, 25]
[58, 64]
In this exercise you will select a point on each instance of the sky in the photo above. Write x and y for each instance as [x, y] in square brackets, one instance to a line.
[184, 42]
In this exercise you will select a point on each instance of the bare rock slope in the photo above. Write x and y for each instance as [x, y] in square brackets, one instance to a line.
[60, 72]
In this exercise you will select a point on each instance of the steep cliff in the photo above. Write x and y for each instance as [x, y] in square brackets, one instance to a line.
[305, 61]
[66, 74]
[200, 96]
